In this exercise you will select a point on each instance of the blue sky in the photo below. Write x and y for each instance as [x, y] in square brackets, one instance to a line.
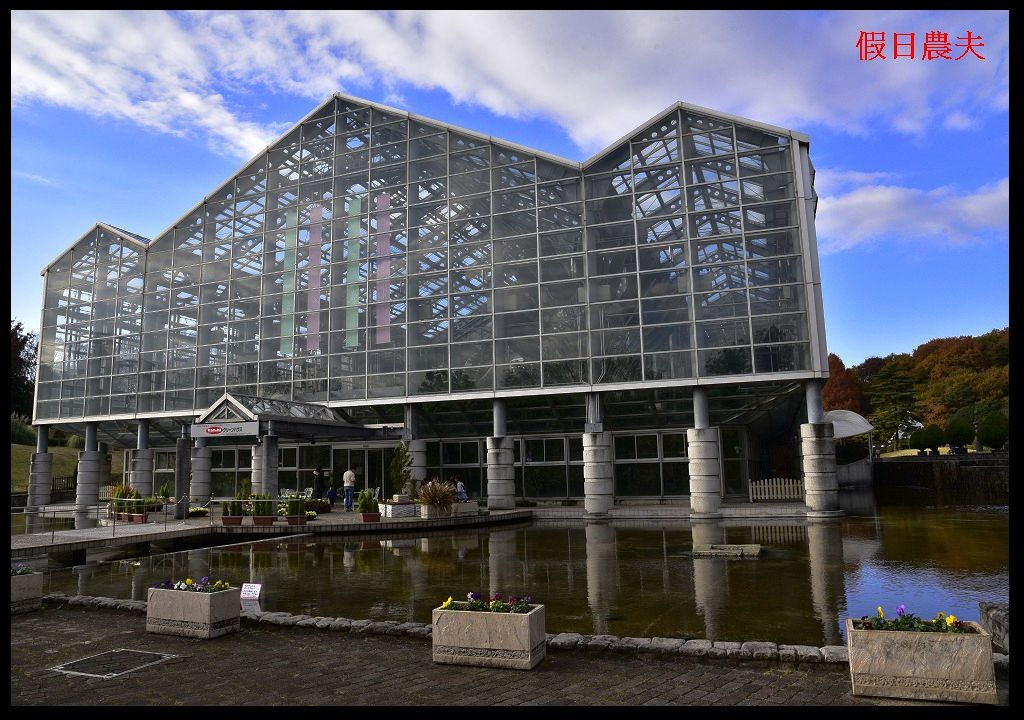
[912, 156]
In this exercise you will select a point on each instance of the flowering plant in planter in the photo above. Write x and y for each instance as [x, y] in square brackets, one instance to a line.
[21, 569]
[196, 511]
[479, 603]
[204, 584]
[910, 622]
[909, 657]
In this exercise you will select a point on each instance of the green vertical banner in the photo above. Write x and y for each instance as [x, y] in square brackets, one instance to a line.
[352, 242]
[291, 241]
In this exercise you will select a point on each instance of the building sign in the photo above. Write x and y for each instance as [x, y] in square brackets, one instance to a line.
[227, 429]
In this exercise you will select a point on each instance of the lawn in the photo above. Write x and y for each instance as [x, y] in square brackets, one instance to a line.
[65, 462]
[944, 450]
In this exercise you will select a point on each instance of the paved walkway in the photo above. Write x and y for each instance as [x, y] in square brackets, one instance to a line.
[296, 666]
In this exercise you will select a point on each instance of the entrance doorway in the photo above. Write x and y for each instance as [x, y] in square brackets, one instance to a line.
[370, 465]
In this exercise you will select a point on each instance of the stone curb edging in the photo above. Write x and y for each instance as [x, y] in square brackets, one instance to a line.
[763, 653]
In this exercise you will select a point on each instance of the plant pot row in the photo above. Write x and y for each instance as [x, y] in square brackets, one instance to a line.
[262, 520]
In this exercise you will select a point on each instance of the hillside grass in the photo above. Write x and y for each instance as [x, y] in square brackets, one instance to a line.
[943, 450]
[65, 462]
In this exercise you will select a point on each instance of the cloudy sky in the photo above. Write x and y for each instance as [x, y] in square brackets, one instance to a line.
[132, 117]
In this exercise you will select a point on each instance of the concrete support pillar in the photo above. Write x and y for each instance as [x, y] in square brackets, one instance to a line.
[502, 564]
[701, 417]
[201, 463]
[818, 455]
[269, 446]
[142, 435]
[182, 473]
[501, 474]
[598, 473]
[141, 476]
[828, 591]
[91, 445]
[602, 573]
[418, 453]
[40, 471]
[705, 472]
[257, 469]
[815, 409]
[709, 577]
[500, 418]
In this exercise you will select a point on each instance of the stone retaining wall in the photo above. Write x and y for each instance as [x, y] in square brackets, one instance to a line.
[761, 653]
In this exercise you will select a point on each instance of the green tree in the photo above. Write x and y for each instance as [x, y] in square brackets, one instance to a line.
[959, 432]
[892, 396]
[23, 369]
[994, 430]
[919, 439]
[399, 471]
[933, 437]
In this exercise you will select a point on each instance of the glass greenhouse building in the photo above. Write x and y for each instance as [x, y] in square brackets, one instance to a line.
[375, 275]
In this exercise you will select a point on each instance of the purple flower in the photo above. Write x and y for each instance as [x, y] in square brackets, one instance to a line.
[474, 596]
[204, 580]
[901, 609]
[528, 599]
[497, 596]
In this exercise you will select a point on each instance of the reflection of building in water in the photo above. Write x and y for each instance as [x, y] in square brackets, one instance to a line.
[602, 573]
[84, 573]
[502, 563]
[828, 589]
[710, 582]
[348, 558]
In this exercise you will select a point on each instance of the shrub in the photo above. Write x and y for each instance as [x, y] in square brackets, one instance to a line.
[233, 508]
[366, 502]
[919, 439]
[934, 437]
[196, 511]
[294, 505]
[959, 432]
[439, 494]
[246, 488]
[399, 473]
[262, 505]
[994, 430]
[22, 432]
[165, 490]
[76, 441]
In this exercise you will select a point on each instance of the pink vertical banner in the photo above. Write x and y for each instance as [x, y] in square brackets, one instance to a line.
[316, 215]
[383, 315]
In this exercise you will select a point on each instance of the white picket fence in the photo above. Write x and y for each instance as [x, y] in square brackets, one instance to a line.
[779, 534]
[776, 488]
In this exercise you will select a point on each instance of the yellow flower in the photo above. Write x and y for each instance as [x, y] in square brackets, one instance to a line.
[880, 613]
[446, 603]
[939, 615]
[188, 581]
[950, 620]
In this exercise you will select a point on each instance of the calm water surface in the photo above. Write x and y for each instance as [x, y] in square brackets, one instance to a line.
[631, 579]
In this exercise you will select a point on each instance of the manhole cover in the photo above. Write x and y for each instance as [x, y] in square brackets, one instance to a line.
[112, 663]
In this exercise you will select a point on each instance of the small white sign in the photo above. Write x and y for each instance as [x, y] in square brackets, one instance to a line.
[251, 606]
[251, 591]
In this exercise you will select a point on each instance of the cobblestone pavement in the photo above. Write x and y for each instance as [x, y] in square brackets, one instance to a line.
[299, 666]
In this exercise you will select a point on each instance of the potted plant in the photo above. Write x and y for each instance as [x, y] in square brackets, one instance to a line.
[164, 493]
[198, 511]
[907, 657]
[293, 509]
[489, 632]
[189, 608]
[232, 512]
[263, 510]
[399, 472]
[367, 505]
[26, 589]
[437, 498]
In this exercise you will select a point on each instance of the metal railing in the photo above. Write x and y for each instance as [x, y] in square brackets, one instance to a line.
[104, 511]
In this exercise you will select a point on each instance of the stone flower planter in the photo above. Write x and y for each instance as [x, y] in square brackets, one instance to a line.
[296, 519]
[922, 665]
[26, 592]
[429, 512]
[231, 520]
[370, 517]
[193, 614]
[486, 639]
[263, 520]
[465, 508]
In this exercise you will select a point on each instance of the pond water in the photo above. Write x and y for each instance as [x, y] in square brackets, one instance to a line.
[624, 578]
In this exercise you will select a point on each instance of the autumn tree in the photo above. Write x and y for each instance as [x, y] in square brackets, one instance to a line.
[23, 369]
[842, 391]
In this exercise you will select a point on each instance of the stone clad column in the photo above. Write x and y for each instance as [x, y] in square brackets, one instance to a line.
[87, 487]
[40, 471]
[702, 447]
[201, 462]
[142, 459]
[418, 453]
[269, 446]
[598, 473]
[598, 463]
[503, 565]
[257, 469]
[828, 591]
[501, 473]
[818, 456]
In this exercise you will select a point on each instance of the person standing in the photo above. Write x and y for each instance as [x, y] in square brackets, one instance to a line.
[318, 482]
[349, 481]
[332, 495]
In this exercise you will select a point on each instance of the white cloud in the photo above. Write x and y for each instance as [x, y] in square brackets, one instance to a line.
[872, 212]
[596, 74]
[33, 177]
